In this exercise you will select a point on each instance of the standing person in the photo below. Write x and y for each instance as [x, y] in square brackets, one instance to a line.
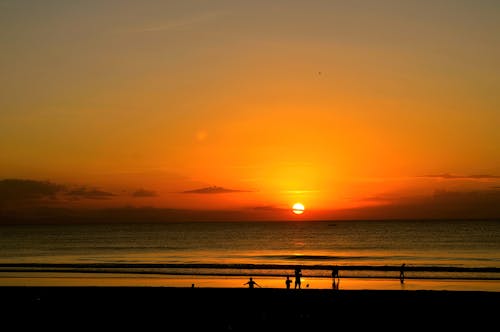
[251, 283]
[288, 282]
[298, 275]
[402, 273]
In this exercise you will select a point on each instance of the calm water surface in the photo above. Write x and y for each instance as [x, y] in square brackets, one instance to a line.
[436, 246]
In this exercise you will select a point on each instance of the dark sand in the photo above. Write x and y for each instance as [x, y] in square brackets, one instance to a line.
[229, 309]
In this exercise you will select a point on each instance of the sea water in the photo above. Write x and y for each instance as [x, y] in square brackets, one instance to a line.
[430, 249]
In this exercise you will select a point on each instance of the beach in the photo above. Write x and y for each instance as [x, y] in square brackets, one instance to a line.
[141, 276]
[243, 309]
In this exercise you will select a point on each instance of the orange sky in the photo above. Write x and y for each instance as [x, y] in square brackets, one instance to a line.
[339, 105]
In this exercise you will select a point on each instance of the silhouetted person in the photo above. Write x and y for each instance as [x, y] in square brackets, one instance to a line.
[288, 282]
[298, 275]
[251, 283]
[402, 273]
[335, 278]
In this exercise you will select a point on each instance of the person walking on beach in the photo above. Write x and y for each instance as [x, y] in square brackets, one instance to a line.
[251, 283]
[298, 275]
[402, 273]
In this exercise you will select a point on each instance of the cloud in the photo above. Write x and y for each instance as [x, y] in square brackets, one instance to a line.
[144, 193]
[447, 176]
[213, 190]
[379, 198]
[299, 192]
[88, 193]
[24, 190]
[442, 204]
[270, 208]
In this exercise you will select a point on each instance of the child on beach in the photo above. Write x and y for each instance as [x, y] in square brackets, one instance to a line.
[251, 283]
[288, 282]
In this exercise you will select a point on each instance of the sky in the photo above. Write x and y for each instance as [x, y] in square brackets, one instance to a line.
[356, 109]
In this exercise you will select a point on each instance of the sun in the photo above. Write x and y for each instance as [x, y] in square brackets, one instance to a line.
[298, 208]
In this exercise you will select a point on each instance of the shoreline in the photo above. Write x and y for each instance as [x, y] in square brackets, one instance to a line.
[88, 279]
[245, 309]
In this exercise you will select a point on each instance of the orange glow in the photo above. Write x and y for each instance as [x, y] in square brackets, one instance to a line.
[351, 122]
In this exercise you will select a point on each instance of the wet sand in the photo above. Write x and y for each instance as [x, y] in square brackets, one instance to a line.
[241, 309]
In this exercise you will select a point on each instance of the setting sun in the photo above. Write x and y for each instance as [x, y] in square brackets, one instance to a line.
[298, 208]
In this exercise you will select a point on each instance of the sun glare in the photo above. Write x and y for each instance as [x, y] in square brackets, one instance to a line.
[298, 208]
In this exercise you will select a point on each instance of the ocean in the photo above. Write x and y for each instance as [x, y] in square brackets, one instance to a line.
[227, 253]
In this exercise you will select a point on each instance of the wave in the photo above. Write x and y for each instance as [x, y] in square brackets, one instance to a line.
[340, 258]
[81, 266]
[139, 270]
[312, 257]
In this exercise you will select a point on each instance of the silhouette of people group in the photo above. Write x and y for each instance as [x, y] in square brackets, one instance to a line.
[298, 279]
[335, 278]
